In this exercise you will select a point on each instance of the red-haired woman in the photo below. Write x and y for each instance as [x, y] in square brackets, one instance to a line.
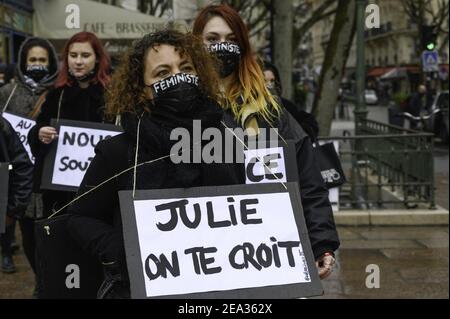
[251, 106]
[78, 95]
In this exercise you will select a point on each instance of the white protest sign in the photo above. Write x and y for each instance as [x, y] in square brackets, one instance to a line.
[217, 243]
[265, 165]
[22, 126]
[75, 152]
[72, 153]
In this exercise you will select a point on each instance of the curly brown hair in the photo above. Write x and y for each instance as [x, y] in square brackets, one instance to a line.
[127, 90]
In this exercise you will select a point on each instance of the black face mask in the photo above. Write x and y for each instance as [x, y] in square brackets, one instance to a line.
[84, 78]
[36, 72]
[177, 96]
[229, 54]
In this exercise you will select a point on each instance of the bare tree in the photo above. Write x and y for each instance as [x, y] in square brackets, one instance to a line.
[326, 9]
[334, 63]
[256, 13]
[154, 7]
[421, 12]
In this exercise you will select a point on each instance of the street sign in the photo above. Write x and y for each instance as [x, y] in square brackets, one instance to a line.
[430, 61]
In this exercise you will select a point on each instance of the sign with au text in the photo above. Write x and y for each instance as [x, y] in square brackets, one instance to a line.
[22, 125]
[240, 241]
[271, 164]
[72, 152]
[4, 183]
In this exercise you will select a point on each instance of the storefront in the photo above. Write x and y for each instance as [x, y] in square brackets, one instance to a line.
[115, 26]
[16, 25]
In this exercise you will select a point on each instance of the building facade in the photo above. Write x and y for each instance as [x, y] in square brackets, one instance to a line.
[395, 43]
[15, 26]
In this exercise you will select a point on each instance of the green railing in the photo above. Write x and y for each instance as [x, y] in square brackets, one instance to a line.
[386, 166]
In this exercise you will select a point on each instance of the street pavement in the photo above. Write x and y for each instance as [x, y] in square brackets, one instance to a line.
[413, 263]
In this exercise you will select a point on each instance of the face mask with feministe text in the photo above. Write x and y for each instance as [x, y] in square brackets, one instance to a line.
[229, 54]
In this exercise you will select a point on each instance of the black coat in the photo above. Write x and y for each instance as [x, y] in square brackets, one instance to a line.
[20, 178]
[77, 104]
[305, 119]
[95, 220]
[314, 195]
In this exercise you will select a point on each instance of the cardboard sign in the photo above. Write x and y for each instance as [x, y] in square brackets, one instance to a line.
[240, 241]
[271, 165]
[4, 182]
[73, 151]
[22, 126]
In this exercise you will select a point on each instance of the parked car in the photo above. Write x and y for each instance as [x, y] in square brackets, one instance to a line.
[438, 121]
[370, 97]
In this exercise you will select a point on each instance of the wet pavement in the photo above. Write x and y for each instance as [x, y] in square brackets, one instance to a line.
[413, 263]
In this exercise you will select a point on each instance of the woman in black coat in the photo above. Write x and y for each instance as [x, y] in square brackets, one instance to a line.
[252, 107]
[19, 187]
[148, 116]
[78, 95]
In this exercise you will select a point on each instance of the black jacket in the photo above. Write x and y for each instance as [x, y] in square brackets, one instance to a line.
[20, 177]
[76, 104]
[95, 220]
[316, 206]
[305, 119]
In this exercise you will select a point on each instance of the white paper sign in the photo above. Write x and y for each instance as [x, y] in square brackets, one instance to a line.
[75, 152]
[265, 165]
[22, 126]
[238, 242]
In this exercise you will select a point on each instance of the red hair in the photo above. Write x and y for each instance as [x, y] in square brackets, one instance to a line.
[103, 61]
[249, 82]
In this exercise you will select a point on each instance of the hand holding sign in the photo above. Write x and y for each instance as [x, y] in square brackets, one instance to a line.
[325, 265]
[47, 134]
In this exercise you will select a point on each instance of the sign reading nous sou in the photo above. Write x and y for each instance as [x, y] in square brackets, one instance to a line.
[239, 241]
[70, 155]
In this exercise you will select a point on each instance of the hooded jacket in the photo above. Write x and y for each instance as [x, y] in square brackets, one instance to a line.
[20, 178]
[25, 96]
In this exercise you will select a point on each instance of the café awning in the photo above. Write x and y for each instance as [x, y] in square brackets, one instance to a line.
[106, 21]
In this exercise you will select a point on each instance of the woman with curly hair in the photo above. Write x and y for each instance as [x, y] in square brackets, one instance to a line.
[252, 107]
[166, 81]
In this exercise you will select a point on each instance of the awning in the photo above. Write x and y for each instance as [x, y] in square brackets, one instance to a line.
[400, 73]
[106, 21]
[378, 71]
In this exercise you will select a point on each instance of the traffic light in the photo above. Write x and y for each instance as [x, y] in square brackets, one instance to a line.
[429, 37]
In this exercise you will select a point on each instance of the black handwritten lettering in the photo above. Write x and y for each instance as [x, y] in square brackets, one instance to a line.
[200, 261]
[162, 266]
[73, 165]
[245, 212]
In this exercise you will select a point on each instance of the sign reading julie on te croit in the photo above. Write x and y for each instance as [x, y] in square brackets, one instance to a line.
[71, 154]
[240, 241]
[22, 125]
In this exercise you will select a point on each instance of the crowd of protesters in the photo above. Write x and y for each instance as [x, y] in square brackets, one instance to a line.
[232, 90]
